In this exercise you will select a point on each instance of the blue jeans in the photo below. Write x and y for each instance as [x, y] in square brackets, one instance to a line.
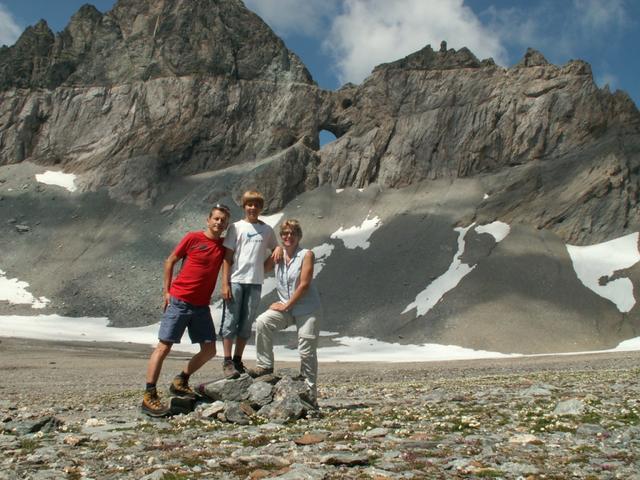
[241, 311]
[180, 316]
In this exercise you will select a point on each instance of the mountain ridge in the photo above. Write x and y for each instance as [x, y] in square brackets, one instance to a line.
[436, 140]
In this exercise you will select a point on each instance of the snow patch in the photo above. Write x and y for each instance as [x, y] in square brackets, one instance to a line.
[321, 253]
[15, 291]
[353, 349]
[499, 230]
[431, 295]
[272, 220]
[358, 237]
[339, 190]
[595, 262]
[59, 179]
[361, 349]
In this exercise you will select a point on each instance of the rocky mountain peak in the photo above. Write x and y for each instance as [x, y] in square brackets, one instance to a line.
[141, 40]
[23, 64]
[428, 59]
[532, 58]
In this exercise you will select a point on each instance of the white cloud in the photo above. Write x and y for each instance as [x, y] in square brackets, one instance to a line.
[294, 16]
[600, 14]
[607, 79]
[370, 32]
[9, 29]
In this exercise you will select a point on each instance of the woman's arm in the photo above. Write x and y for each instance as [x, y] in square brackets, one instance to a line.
[306, 275]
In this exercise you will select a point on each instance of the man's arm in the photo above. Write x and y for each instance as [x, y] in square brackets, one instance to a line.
[226, 274]
[168, 277]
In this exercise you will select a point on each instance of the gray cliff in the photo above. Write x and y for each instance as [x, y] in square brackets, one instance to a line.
[164, 107]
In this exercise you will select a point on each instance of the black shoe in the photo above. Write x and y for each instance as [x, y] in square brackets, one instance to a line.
[229, 370]
[239, 366]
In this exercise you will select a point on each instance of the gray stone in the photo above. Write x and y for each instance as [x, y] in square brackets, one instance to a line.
[571, 407]
[303, 472]
[237, 412]
[211, 411]
[589, 430]
[45, 424]
[538, 391]
[348, 459]
[377, 432]
[23, 228]
[181, 405]
[227, 390]
[260, 394]
[285, 409]
[514, 468]
[156, 474]
[288, 387]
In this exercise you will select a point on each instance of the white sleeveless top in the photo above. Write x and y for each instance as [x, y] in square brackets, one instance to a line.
[288, 278]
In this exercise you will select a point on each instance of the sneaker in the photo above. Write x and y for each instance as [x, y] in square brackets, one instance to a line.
[259, 372]
[239, 366]
[152, 406]
[180, 388]
[229, 370]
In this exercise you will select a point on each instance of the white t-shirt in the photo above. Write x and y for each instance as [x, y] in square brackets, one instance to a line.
[250, 243]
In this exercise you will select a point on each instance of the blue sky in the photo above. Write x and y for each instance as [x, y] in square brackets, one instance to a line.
[342, 40]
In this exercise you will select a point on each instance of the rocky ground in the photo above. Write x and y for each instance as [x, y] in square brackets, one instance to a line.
[71, 411]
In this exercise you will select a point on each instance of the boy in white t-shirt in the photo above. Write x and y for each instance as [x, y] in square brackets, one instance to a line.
[247, 244]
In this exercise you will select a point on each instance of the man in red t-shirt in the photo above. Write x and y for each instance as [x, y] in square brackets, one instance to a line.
[186, 307]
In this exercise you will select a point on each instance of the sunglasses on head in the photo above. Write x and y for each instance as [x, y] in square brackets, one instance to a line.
[223, 207]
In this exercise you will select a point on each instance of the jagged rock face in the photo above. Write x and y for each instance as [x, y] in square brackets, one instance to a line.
[446, 114]
[154, 89]
[146, 40]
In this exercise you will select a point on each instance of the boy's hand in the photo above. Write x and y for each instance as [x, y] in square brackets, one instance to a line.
[277, 254]
[166, 301]
[226, 292]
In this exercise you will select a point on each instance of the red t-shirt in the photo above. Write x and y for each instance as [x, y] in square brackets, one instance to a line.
[202, 260]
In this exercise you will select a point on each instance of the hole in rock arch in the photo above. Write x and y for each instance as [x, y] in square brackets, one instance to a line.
[326, 137]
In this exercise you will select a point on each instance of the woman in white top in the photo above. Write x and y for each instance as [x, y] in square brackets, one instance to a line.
[299, 305]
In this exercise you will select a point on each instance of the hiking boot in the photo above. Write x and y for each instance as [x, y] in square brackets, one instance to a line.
[259, 372]
[152, 406]
[180, 388]
[239, 366]
[229, 370]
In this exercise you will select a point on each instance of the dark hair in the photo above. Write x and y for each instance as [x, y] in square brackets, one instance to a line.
[221, 207]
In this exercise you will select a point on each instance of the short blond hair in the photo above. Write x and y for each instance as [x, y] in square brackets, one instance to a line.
[252, 196]
[293, 225]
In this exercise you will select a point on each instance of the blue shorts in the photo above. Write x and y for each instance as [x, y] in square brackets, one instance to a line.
[181, 315]
[242, 311]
